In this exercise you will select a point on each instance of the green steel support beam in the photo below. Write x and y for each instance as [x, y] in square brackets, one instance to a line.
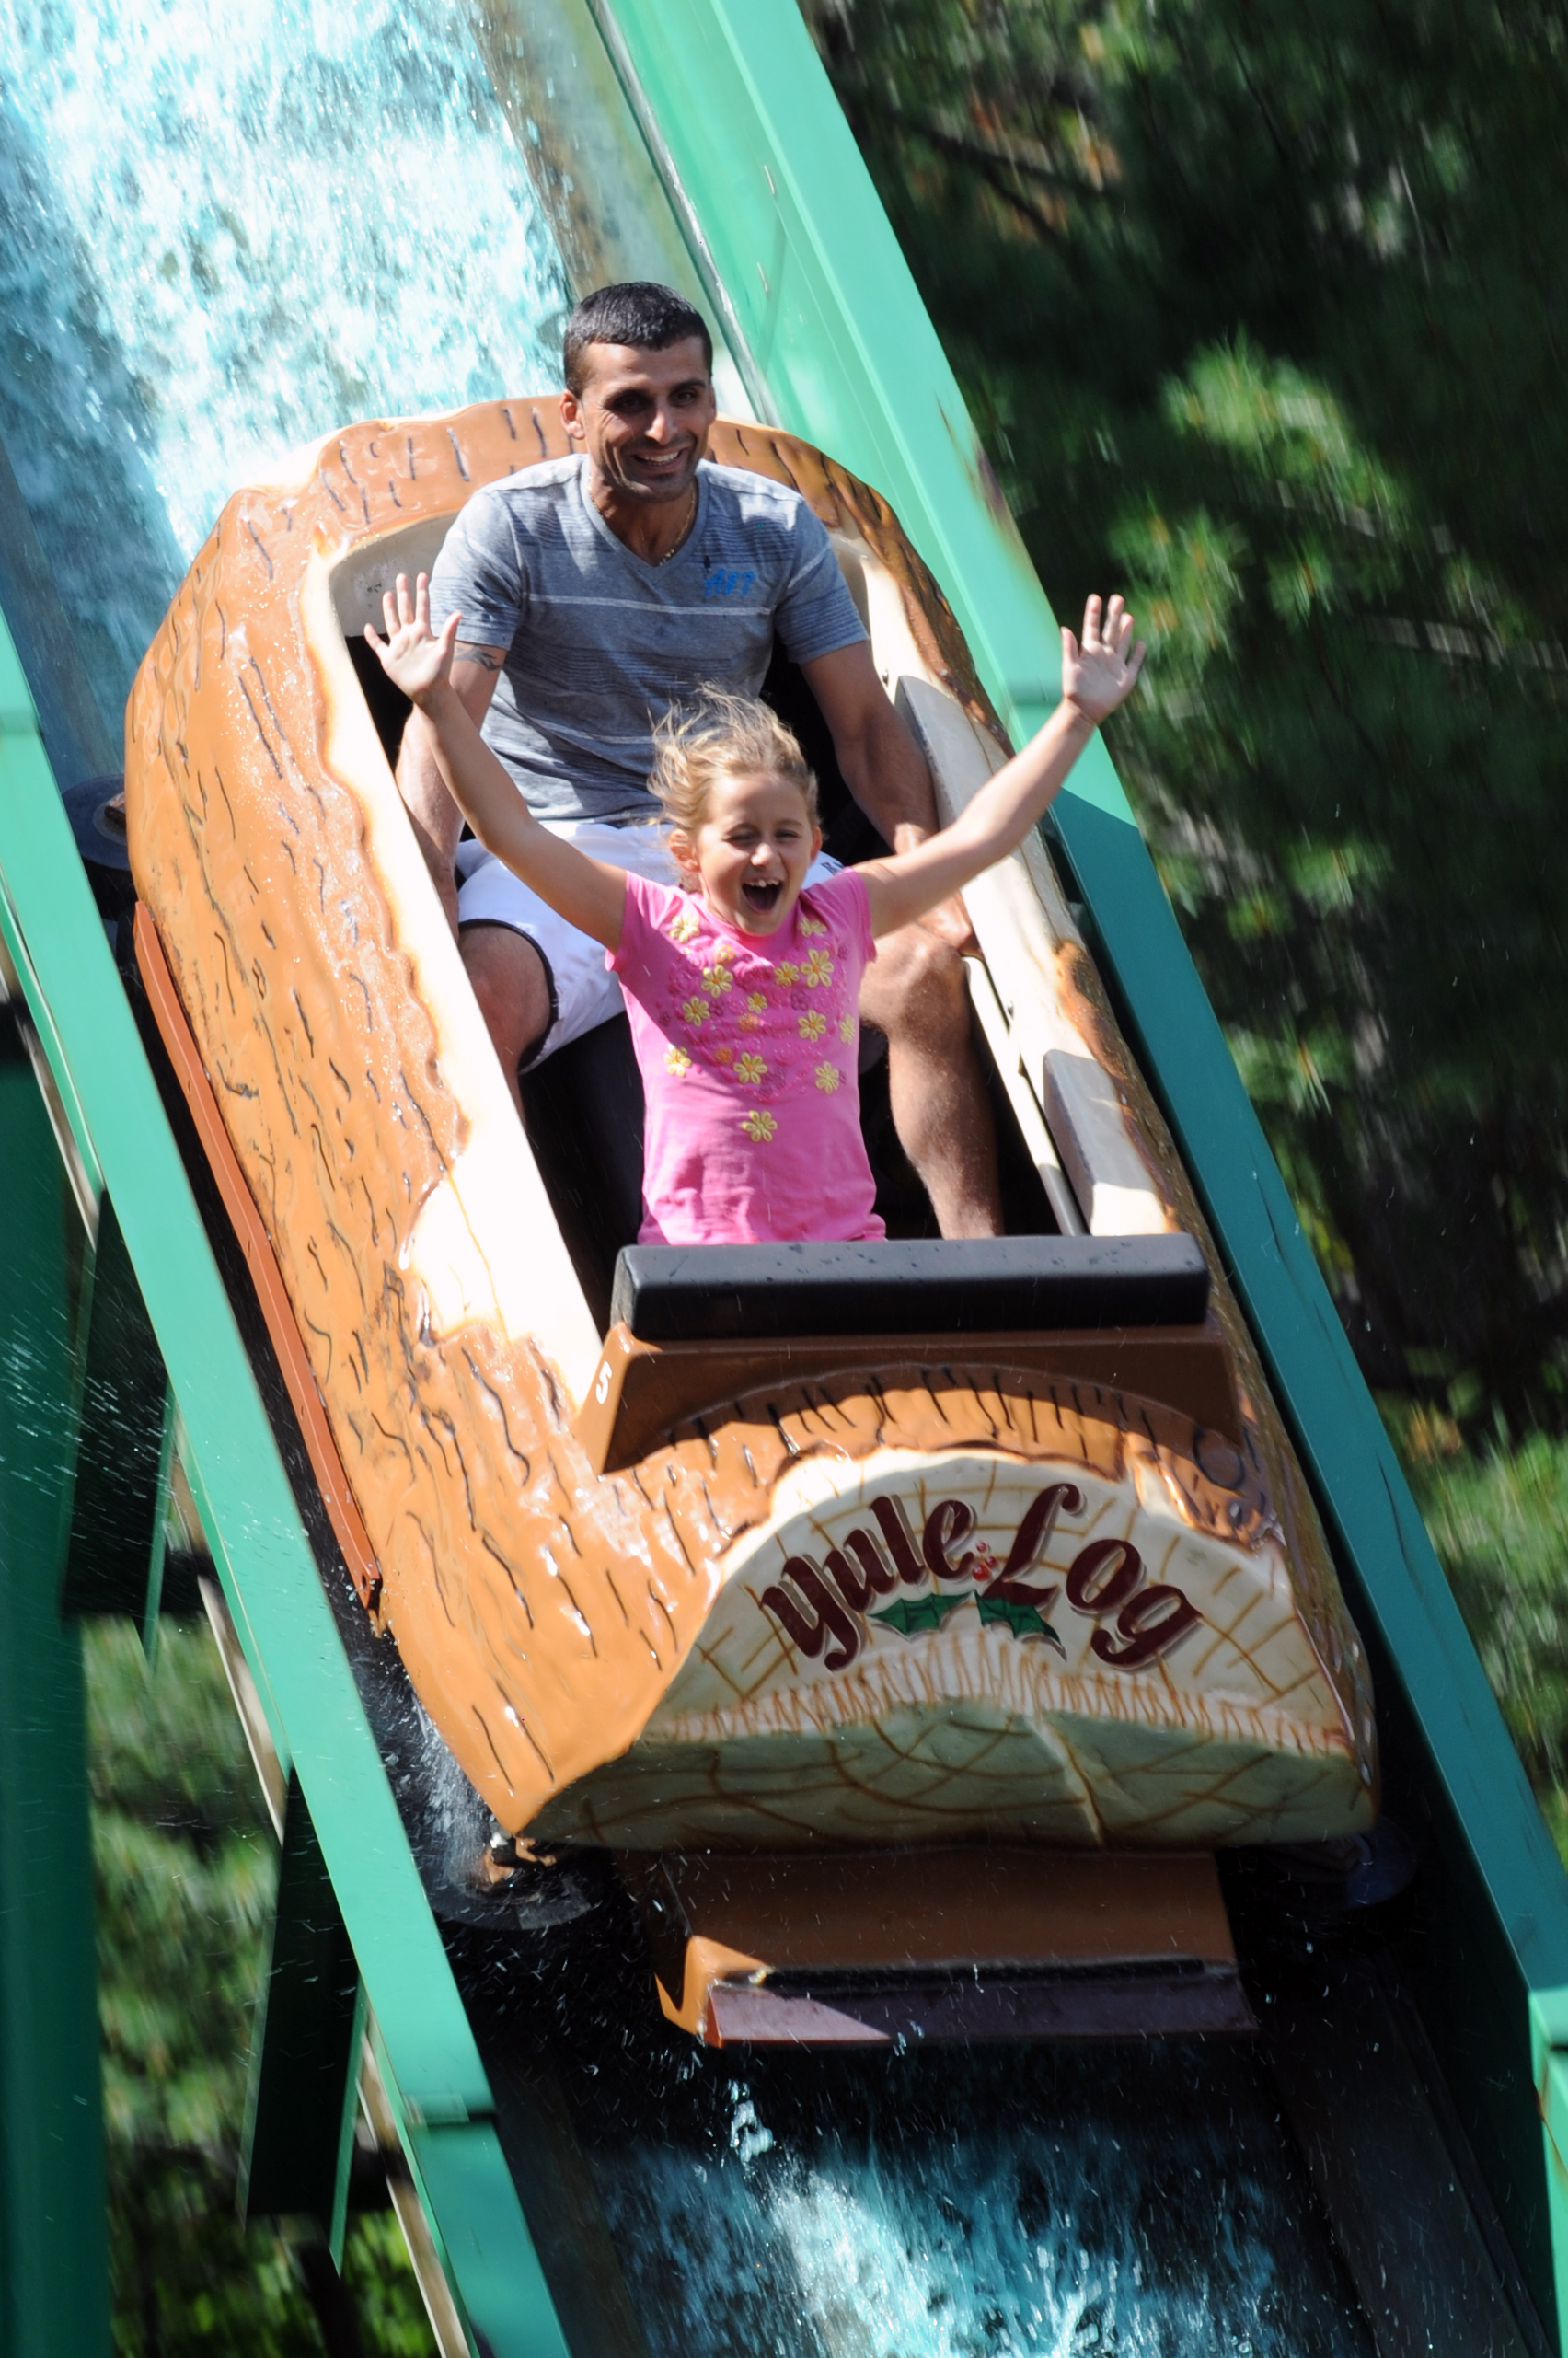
[301, 2107]
[53, 2234]
[53, 941]
[1551, 2090]
[115, 1537]
[783, 218]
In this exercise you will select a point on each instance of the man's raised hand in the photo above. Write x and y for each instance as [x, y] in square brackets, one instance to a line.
[412, 655]
[1100, 673]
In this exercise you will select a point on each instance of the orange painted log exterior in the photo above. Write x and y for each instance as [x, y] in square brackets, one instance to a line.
[544, 1612]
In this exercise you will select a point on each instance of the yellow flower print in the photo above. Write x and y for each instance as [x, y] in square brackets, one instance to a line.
[847, 1026]
[756, 1001]
[676, 1060]
[696, 1010]
[812, 1027]
[749, 1023]
[809, 925]
[717, 980]
[759, 1127]
[682, 925]
[724, 952]
[750, 1069]
[819, 969]
[787, 974]
[724, 1056]
[827, 1076]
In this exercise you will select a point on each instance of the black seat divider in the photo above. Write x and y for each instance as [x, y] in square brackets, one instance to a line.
[985, 1285]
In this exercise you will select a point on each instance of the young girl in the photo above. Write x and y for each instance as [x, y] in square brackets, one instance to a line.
[740, 985]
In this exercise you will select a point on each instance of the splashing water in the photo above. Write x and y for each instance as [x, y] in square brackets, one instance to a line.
[229, 228]
[1051, 2204]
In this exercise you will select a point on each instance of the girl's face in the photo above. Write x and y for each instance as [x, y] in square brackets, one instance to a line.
[751, 853]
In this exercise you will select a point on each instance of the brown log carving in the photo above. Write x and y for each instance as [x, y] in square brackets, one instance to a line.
[543, 1609]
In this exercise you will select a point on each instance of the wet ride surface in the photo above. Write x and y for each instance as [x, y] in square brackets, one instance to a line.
[956, 2202]
[1309, 2192]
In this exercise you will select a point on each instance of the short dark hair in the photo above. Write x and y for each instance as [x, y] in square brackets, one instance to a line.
[648, 318]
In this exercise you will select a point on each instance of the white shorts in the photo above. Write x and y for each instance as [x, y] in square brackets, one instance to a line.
[583, 992]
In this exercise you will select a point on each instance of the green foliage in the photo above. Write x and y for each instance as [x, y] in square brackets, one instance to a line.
[1252, 310]
[1499, 1519]
[185, 1868]
[392, 2321]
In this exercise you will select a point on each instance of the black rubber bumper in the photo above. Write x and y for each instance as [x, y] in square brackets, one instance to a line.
[985, 1285]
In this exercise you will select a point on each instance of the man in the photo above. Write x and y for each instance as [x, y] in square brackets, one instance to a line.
[594, 592]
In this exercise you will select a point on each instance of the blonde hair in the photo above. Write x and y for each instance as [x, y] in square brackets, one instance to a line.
[720, 736]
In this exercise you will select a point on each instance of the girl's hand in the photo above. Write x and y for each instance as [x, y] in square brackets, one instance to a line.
[413, 658]
[1103, 672]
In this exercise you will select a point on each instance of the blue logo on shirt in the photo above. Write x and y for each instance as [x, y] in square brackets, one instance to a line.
[723, 582]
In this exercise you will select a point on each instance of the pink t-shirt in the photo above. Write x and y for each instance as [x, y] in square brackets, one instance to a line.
[747, 1050]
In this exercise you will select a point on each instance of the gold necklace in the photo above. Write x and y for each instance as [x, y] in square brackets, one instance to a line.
[685, 531]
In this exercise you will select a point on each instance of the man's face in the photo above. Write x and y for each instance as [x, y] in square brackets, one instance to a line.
[643, 419]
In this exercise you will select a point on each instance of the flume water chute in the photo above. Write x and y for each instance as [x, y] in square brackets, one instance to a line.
[763, 2200]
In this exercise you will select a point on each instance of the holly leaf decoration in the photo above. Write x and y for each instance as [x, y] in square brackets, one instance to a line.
[912, 1616]
[1023, 1621]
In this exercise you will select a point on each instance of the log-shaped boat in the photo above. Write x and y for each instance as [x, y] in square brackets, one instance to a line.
[897, 1547]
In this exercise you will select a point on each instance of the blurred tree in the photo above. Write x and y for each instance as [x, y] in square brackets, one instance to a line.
[185, 1866]
[1254, 306]
[1499, 1521]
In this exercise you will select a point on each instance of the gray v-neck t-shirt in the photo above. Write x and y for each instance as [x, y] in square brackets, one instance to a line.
[600, 642]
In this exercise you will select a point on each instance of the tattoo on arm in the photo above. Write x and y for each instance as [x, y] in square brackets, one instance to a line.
[483, 658]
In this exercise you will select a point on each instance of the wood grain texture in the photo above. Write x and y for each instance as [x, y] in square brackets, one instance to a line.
[299, 1380]
[543, 1613]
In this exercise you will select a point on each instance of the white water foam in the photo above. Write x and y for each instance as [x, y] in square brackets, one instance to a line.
[232, 226]
[992, 2205]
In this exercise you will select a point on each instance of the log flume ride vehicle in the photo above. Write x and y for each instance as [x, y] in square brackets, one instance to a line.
[862, 1598]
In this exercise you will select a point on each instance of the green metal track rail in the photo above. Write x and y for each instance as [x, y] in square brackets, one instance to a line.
[814, 297]
[425, 2051]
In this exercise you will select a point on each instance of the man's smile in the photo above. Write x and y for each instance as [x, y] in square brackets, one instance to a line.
[660, 468]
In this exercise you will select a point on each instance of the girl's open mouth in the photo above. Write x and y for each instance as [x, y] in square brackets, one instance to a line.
[762, 898]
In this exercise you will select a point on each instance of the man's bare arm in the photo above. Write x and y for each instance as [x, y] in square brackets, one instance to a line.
[882, 765]
[436, 820]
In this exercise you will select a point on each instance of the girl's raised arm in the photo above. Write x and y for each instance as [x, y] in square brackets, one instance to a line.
[586, 892]
[1096, 676]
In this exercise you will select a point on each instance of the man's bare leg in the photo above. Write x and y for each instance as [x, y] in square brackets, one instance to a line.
[510, 983]
[916, 992]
